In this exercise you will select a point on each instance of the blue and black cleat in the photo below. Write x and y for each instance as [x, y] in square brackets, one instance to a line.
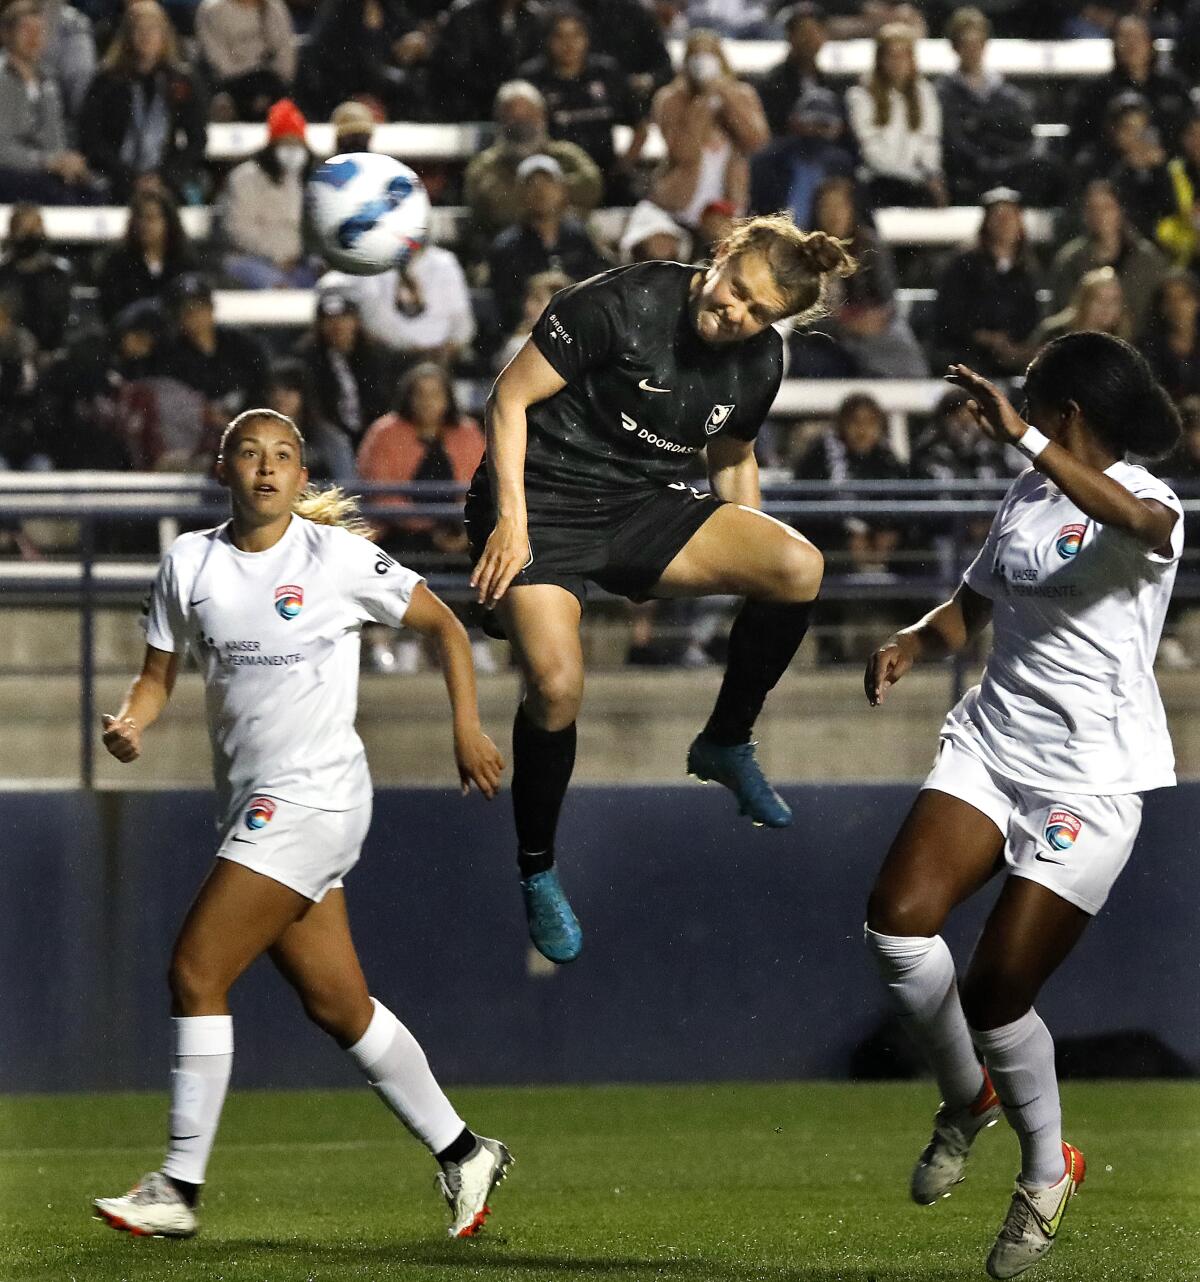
[734, 766]
[553, 927]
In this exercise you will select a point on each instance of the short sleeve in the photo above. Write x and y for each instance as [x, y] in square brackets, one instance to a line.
[581, 326]
[746, 420]
[165, 621]
[980, 575]
[1151, 489]
[377, 586]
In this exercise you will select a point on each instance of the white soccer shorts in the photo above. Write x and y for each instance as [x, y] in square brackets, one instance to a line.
[1072, 843]
[306, 849]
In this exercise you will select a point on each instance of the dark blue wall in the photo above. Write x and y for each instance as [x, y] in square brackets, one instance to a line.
[713, 949]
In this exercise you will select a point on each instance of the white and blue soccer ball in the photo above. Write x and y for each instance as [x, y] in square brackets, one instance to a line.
[366, 213]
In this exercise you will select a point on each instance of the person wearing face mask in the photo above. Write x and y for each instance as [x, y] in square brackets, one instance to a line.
[260, 212]
[38, 282]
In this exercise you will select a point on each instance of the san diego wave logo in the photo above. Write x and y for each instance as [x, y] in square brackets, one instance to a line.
[1062, 828]
[1069, 540]
[259, 813]
[289, 601]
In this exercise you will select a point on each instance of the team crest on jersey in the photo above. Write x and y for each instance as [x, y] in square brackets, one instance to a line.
[717, 418]
[289, 600]
[1062, 827]
[259, 813]
[1069, 540]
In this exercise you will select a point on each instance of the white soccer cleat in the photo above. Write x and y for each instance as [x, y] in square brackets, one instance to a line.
[152, 1208]
[1033, 1220]
[943, 1164]
[466, 1185]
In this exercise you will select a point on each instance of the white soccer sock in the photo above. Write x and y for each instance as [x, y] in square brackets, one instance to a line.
[919, 973]
[395, 1065]
[199, 1079]
[1020, 1058]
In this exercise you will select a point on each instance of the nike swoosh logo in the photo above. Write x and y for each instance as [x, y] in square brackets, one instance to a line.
[178, 1139]
[246, 841]
[1047, 860]
[645, 386]
[198, 601]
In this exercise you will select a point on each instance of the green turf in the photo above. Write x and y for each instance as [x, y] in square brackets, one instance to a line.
[802, 1182]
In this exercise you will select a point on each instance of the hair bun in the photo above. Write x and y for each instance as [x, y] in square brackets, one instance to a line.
[827, 254]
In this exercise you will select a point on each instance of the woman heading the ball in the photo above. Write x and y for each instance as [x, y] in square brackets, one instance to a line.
[624, 379]
[1040, 768]
[270, 604]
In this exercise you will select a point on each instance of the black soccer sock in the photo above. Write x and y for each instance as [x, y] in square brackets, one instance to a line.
[189, 1192]
[762, 642]
[543, 761]
[462, 1147]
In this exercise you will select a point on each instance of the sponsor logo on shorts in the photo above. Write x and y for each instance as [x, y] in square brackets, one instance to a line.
[1062, 828]
[289, 600]
[717, 417]
[557, 331]
[259, 813]
[1069, 540]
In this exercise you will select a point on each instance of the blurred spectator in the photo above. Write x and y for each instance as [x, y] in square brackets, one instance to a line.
[35, 161]
[539, 290]
[627, 32]
[712, 124]
[249, 49]
[546, 239]
[736, 19]
[1178, 234]
[987, 133]
[1171, 342]
[862, 312]
[716, 222]
[651, 233]
[1098, 303]
[987, 305]
[38, 281]
[480, 44]
[70, 53]
[586, 94]
[1134, 70]
[1186, 55]
[952, 448]
[1184, 464]
[153, 252]
[897, 119]
[353, 125]
[490, 183]
[18, 382]
[864, 19]
[370, 48]
[145, 110]
[260, 211]
[804, 26]
[290, 392]
[350, 380]
[1108, 240]
[787, 172]
[1138, 168]
[228, 367]
[420, 312]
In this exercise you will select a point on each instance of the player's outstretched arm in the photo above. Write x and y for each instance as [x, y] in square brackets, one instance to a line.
[945, 630]
[479, 760]
[147, 697]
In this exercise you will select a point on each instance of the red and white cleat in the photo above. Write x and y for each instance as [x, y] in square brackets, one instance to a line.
[943, 1163]
[1033, 1220]
[152, 1208]
[466, 1185]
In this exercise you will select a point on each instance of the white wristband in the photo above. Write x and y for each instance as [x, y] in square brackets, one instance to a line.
[1031, 442]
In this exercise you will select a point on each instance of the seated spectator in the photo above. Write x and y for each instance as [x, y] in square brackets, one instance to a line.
[70, 53]
[35, 162]
[1135, 163]
[350, 380]
[290, 392]
[18, 383]
[228, 367]
[779, 90]
[539, 290]
[353, 126]
[145, 110]
[787, 172]
[260, 211]
[864, 19]
[249, 50]
[952, 448]
[420, 312]
[626, 32]
[153, 253]
[987, 130]
[652, 233]
[1098, 303]
[1187, 43]
[897, 120]
[546, 239]
[478, 46]
[490, 183]
[1171, 342]
[735, 19]
[712, 124]
[36, 280]
[862, 313]
[586, 94]
[987, 306]
[1178, 234]
[1108, 240]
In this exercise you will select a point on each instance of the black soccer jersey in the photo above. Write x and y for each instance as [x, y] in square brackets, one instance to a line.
[644, 392]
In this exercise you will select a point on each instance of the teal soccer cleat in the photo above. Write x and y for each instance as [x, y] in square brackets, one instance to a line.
[553, 927]
[734, 766]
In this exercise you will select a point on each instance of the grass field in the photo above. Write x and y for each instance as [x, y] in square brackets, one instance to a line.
[802, 1183]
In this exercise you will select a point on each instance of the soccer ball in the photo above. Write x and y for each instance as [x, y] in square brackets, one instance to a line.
[366, 213]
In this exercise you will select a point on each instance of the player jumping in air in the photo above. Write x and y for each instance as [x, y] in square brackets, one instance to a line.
[625, 378]
[271, 603]
[1041, 767]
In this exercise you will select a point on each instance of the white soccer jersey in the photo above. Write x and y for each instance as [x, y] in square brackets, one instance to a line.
[1068, 697]
[276, 636]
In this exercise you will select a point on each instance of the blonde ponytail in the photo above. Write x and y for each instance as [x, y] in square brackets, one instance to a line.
[333, 506]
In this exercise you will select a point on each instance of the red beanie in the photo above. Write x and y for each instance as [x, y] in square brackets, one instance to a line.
[285, 120]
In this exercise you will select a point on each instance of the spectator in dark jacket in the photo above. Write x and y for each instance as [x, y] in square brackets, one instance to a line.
[145, 111]
[1171, 342]
[804, 26]
[480, 44]
[38, 281]
[153, 253]
[626, 32]
[1139, 172]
